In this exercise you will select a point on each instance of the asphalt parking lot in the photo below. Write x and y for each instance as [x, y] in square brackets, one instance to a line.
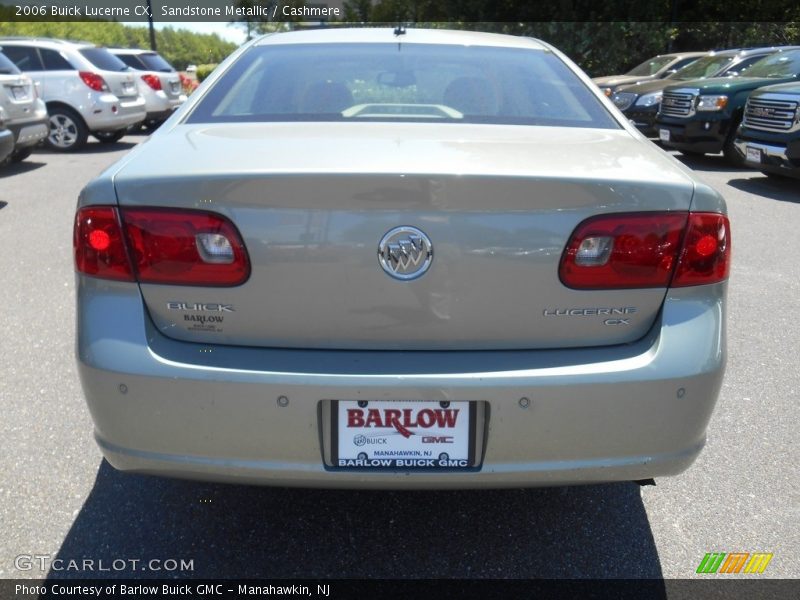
[59, 499]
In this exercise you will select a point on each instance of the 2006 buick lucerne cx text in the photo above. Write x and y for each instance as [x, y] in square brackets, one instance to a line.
[400, 259]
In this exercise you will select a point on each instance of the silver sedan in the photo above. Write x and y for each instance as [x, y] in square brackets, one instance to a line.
[400, 259]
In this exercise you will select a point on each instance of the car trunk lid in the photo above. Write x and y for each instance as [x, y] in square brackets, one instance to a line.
[313, 202]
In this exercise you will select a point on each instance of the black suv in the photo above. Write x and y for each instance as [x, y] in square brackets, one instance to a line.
[769, 137]
[701, 116]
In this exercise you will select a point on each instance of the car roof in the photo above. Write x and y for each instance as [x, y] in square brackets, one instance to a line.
[46, 42]
[130, 51]
[762, 49]
[683, 54]
[376, 35]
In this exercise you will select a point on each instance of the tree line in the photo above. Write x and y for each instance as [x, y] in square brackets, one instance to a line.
[180, 47]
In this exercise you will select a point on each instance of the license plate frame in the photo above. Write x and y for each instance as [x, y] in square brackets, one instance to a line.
[341, 451]
[753, 154]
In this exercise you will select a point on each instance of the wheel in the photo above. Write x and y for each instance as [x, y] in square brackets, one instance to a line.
[21, 154]
[68, 132]
[776, 176]
[110, 137]
[729, 150]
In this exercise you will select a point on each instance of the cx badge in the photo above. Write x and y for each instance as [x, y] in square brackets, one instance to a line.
[405, 253]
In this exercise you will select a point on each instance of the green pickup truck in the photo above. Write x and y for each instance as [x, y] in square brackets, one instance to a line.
[769, 138]
[702, 116]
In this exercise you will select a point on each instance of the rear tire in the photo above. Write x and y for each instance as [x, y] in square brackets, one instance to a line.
[68, 132]
[729, 150]
[776, 176]
[20, 155]
[110, 137]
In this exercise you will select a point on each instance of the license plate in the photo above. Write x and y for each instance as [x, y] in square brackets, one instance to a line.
[663, 135]
[175, 86]
[128, 88]
[19, 93]
[403, 435]
[753, 154]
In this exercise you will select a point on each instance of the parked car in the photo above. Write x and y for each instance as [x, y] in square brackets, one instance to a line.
[640, 102]
[159, 83]
[87, 89]
[25, 112]
[769, 136]
[657, 67]
[426, 259]
[702, 116]
[6, 137]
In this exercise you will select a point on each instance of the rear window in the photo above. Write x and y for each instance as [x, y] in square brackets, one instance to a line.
[651, 67]
[25, 57]
[103, 59]
[132, 61]
[6, 66]
[409, 82]
[154, 62]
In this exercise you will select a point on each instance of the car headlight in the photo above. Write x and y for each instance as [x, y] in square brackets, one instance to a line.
[650, 99]
[712, 102]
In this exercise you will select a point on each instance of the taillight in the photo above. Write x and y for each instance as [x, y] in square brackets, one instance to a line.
[643, 250]
[623, 251]
[706, 254]
[175, 247]
[153, 81]
[94, 81]
[98, 245]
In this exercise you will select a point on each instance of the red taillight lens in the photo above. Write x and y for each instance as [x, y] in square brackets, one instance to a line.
[177, 247]
[98, 245]
[643, 250]
[185, 247]
[94, 81]
[706, 253]
[153, 81]
[623, 251]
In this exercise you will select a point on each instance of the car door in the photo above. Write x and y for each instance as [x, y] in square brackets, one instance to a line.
[58, 75]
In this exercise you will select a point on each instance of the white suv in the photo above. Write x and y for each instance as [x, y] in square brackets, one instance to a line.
[86, 89]
[25, 113]
[159, 83]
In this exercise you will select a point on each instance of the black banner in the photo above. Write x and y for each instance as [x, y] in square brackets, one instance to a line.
[484, 589]
[508, 11]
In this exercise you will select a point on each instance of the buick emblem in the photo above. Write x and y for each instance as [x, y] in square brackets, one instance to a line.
[405, 253]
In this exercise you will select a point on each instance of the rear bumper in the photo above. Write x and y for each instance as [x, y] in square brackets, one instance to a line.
[160, 106]
[31, 132]
[179, 409]
[109, 113]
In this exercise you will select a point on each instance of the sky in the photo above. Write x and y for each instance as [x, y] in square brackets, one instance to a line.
[226, 31]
